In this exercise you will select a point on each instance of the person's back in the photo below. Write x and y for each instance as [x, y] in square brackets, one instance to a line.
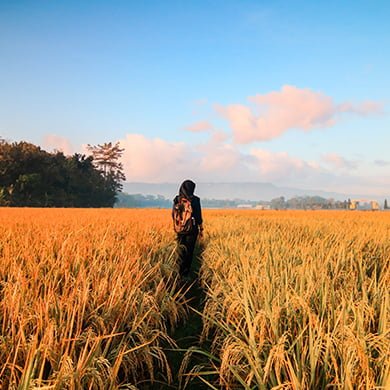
[186, 238]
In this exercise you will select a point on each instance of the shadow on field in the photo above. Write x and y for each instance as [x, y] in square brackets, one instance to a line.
[188, 331]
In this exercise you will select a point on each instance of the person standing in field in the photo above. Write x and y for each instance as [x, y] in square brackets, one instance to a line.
[187, 223]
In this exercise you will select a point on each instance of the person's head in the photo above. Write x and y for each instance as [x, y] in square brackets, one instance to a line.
[187, 188]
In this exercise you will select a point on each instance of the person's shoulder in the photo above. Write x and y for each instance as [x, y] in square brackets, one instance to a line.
[196, 199]
[176, 199]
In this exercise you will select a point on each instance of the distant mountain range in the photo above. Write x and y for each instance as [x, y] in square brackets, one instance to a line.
[244, 191]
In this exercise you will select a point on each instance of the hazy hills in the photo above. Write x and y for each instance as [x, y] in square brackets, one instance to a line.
[244, 191]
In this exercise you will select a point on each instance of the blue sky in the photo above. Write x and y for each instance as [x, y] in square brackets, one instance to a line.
[292, 92]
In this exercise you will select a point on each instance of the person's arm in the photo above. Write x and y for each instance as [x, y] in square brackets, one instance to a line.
[201, 231]
[200, 219]
[173, 206]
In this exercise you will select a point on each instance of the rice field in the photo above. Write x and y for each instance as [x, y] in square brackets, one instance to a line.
[293, 300]
[86, 298]
[297, 300]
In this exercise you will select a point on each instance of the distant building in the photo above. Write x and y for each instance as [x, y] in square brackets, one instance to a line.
[244, 206]
[263, 207]
[374, 205]
[364, 204]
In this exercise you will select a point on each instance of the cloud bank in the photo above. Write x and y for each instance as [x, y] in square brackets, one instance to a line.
[155, 160]
[224, 158]
[273, 114]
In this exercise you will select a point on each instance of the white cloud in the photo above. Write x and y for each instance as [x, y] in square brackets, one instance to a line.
[336, 161]
[154, 160]
[281, 167]
[218, 158]
[200, 126]
[364, 108]
[157, 160]
[275, 113]
[56, 142]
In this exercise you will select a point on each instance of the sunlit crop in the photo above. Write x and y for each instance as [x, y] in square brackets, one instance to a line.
[293, 300]
[298, 300]
[86, 297]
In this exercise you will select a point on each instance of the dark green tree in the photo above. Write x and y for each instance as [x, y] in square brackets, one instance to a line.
[385, 206]
[85, 185]
[30, 176]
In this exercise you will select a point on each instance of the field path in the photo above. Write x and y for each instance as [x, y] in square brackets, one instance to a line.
[187, 333]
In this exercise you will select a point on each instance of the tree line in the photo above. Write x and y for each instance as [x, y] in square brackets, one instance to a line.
[33, 177]
[281, 203]
[312, 203]
[308, 202]
[126, 200]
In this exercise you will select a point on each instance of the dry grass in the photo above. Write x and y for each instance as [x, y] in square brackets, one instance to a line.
[86, 297]
[298, 300]
[295, 300]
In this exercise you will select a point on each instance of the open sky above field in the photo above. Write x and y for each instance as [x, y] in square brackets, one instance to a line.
[290, 92]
